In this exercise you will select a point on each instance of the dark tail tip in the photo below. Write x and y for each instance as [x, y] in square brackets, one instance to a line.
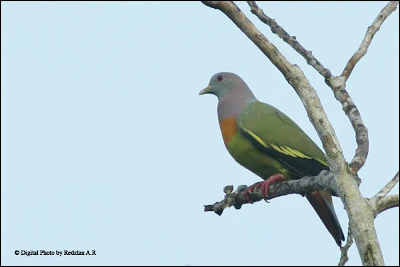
[322, 204]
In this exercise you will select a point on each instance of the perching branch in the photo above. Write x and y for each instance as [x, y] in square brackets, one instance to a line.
[361, 223]
[325, 180]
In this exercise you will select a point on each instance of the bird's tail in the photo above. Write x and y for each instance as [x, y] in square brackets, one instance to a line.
[322, 204]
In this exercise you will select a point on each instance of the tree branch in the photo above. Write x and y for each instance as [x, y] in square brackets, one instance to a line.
[338, 85]
[325, 180]
[372, 30]
[382, 203]
[291, 40]
[388, 202]
[385, 190]
[343, 251]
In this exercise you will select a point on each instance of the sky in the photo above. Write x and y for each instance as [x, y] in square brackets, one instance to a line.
[106, 145]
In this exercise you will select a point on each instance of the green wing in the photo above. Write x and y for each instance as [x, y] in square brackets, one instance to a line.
[276, 135]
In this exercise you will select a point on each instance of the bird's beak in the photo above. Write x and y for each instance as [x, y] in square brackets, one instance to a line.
[206, 90]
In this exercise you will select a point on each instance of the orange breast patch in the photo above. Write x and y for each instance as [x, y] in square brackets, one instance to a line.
[228, 129]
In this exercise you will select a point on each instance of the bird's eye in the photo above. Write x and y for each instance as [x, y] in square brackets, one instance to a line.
[220, 78]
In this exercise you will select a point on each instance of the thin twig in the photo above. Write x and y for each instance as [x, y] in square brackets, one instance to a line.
[343, 251]
[338, 84]
[385, 190]
[372, 30]
[291, 40]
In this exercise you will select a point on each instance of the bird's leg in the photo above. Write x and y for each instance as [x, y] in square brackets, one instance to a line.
[249, 190]
[265, 184]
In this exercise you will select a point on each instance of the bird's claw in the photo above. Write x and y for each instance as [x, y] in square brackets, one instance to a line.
[265, 184]
[249, 191]
[264, 187]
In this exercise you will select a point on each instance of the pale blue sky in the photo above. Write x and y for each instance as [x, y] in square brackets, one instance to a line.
[106, 144]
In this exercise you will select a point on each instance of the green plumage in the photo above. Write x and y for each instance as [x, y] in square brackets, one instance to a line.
[281, 145]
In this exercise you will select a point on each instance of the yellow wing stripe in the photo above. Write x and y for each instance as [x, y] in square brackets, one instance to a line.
[282, 149]
[256, 137]
[298, 153]
[322, 162]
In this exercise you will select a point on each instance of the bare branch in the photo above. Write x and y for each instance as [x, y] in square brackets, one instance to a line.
[343, 251]
[325, 180]
[338, 85]
[372, 30]
[385, 190]
[388, 202]
[212, 4]
[291, 40]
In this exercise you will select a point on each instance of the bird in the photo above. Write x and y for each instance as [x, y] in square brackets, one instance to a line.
[268, 143]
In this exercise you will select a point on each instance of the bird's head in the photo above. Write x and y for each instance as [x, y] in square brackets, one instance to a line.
[226, 83]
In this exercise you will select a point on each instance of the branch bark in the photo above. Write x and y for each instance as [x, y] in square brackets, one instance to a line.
[388, 202]
[325, 180]
[291, 40]
[372, 30]
[381, 202]
[338, 85]
[343, 251]
[385, 190]
[360, 211]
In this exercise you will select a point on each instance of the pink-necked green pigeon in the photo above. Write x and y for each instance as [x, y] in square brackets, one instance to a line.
[268, 143]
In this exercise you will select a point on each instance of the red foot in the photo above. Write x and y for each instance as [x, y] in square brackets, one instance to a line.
[249, 190]
[264, 186]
